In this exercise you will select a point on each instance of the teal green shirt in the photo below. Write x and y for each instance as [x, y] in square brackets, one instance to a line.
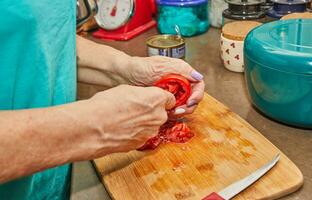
[37, 69]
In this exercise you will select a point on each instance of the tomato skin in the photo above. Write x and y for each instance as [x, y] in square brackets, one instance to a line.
[178, 85]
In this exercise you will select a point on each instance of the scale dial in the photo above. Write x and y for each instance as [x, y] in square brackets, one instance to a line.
[113, 14]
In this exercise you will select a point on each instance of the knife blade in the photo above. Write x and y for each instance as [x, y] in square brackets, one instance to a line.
[236, 187]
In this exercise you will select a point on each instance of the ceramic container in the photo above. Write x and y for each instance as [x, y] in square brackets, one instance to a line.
[232, 44]
[278, 70]
[190, 15]
[232, 54]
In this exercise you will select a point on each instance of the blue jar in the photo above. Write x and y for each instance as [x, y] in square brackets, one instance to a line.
[190, 15]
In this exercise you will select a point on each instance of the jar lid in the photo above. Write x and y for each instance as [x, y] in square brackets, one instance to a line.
[244, 2]
[180, 2]
[290, 2]
[284, 45]
[305, 15]
[279, 10]
[244, 15]
[244, 9]
[238, 30]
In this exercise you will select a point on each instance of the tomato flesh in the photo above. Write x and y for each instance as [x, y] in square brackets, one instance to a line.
[172, 131]
[176, 132]
[179, 86]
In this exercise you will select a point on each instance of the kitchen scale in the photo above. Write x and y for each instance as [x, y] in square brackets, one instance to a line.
[124, 19]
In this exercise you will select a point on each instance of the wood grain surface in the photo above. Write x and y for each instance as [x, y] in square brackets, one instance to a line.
[225, 149]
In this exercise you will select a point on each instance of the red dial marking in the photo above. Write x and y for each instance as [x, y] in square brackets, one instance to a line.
[114, 10]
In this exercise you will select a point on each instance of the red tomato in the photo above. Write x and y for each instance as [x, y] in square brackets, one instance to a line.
[172, 131]
[179, 86]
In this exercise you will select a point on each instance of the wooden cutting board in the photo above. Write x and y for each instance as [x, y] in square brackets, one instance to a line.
[225, 149]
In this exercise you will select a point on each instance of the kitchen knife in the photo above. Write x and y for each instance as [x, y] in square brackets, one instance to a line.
[235, 188]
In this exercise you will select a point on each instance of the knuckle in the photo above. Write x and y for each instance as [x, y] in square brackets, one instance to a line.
[162, 117]
[157, 93]
[158, 117]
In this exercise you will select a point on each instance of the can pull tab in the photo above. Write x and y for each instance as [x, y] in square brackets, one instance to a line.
[177, 29]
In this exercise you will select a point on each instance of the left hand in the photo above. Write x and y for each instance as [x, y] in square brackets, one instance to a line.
[145, 71]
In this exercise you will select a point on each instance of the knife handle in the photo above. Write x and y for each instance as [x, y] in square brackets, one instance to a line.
[213, 196]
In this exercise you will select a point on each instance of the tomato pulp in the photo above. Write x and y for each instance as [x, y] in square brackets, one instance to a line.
[179, 86]
[172, 131]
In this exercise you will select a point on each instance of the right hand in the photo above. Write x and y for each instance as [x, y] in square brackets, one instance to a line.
[127, 116]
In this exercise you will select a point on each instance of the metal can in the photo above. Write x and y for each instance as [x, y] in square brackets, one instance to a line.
[166, 45]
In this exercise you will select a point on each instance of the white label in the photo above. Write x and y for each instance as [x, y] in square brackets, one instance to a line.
[153, 51]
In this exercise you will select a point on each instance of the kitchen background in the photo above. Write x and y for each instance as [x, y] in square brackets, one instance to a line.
[256, 57]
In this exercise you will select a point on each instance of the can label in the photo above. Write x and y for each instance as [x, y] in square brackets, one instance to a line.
[164, 52]
[178, 52]
[175, 52]
[153, 51]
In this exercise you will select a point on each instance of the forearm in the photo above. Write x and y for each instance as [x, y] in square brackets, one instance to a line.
[100, 64]
[36, 139]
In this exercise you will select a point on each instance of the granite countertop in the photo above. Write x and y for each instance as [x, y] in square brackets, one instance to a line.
[227, 87]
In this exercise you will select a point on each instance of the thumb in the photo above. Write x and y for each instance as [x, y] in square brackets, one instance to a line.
[170, 100]
[190, 73]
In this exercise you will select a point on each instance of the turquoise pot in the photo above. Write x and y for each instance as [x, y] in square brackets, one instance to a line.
[278, 70]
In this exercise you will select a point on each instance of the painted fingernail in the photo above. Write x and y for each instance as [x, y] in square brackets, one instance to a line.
[191, 103]
[179, 111]
[196, 75]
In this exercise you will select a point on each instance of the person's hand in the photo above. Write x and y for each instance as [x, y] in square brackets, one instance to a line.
[145, 71]
[128, 115]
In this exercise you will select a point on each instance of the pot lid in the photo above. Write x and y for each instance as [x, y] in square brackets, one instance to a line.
[180, 2]
[279, 10]
[284, 45]
[243, 2]
[290, 2]
[243, 10]
[244, 15]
